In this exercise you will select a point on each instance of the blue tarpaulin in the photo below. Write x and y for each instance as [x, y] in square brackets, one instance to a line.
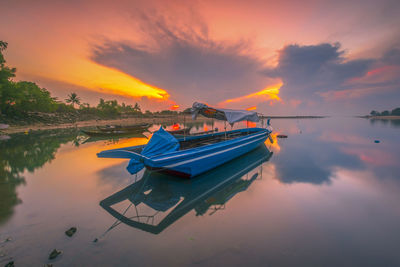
[160, 143]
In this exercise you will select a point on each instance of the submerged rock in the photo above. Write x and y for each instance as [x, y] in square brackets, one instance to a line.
[10, 264]
[71, 231]
[54, 254]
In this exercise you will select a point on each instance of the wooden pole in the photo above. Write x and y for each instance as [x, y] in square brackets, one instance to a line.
[225, 128]
[184, 127]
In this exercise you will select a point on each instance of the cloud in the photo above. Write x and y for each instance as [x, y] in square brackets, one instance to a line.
[307, 71]
[392, 56]
[186, 62]
[321, 77]
[270, 93]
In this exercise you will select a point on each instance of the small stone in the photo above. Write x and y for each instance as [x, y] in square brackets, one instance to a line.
[48, 265]
[8, 239]
[71, 231]
[54, 254]
[95, 240]
[10, 264]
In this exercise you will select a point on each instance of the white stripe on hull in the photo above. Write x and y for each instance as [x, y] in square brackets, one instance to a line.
[212, 154]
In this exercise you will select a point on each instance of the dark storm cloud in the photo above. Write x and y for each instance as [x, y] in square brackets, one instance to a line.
[306, 70]
[392, 56]
[186, 62]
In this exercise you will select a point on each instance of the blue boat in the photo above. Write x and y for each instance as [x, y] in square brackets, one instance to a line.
[193, 155]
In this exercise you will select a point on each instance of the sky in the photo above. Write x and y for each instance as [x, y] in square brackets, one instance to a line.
[276, 57]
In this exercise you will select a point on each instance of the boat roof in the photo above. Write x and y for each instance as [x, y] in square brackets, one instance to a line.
[230, 115]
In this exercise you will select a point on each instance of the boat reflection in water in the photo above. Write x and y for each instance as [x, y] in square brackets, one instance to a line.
[171, 198]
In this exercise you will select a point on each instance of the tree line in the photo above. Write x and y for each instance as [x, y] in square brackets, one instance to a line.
[19, 99]
[394, 112]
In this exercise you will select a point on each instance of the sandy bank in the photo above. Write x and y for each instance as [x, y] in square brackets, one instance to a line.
[92, 123]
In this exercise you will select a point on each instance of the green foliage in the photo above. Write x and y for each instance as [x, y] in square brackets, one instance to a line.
[396, 112]
[108, 108]
[73, 99]
[18, 98]
[166, 112]
[64, 108]
[6, 73]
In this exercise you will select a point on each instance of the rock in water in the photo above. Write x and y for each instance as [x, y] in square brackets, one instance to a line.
[10, 264]
[54, 254]
[282, 136]
[71, 231]
[377, 141]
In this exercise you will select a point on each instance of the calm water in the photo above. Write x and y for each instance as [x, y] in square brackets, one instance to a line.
[326, 196]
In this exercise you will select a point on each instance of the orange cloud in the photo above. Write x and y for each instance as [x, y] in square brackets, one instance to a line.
[268, 93]
[85, 73]
[251, 108]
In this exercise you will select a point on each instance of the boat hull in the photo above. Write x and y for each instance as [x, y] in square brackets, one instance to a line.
[193, 162]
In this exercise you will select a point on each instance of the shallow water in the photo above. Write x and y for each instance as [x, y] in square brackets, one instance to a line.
[328, 195]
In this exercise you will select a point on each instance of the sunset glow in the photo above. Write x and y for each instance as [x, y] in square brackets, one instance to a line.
[268, 93]
[251, 108]
[210, 53]
[274, 146]
[174, 107]
[104, 79]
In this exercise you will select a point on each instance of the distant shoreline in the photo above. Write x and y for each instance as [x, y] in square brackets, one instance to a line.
[294, 117]
[380, 117]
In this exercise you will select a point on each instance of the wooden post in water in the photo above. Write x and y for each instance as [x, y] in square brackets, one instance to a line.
[184, 127]
[225, 128]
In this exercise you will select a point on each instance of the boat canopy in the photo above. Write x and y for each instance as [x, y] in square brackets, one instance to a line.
[229, 115]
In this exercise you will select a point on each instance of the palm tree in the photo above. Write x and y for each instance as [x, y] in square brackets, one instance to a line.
[137, 107]
[73, 99]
